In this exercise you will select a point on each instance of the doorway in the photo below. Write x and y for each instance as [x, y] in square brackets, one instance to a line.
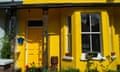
[34, 43]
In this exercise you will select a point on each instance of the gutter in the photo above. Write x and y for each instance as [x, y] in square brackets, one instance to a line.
[59, 5]
[20, 5]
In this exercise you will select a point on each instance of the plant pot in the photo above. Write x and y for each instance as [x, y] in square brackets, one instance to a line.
[5, 65]
[68, 54]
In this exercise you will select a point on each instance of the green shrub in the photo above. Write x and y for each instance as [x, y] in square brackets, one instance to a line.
[112, 71]
[118, 70]
[70, 70]
[46, 70]
[6, 49]
[92, 70]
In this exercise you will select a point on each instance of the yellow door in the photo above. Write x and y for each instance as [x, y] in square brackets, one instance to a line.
[34, 51]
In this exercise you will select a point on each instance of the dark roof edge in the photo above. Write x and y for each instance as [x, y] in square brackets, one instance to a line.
[58, 5]
[75, 5]
[10, 4]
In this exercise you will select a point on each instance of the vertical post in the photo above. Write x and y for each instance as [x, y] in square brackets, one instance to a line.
[12, 31]
[45, 39]
[11, 22]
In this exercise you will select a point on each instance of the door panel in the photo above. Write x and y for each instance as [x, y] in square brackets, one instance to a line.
[34, 46]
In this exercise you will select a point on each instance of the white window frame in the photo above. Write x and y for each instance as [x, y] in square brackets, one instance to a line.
[68, 46]
[99, 56]
[68, 34]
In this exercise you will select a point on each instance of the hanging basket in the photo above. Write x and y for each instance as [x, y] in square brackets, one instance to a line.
[20, 40]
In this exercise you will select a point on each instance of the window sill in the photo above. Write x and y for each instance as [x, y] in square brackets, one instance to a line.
[6, 61]
[99, 57]
[94, 58]
[68, 58]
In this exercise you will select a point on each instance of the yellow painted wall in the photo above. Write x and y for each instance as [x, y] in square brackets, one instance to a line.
[20, 55]
[114, 17]
[115, 34]
[110, 39]
[53, 32]
[23, 17]
[64, 13]
[56, 39]
[116, 1]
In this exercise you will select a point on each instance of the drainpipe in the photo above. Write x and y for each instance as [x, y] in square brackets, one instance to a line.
[13, 32]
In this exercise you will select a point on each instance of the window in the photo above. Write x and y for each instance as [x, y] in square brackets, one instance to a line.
[91, 33]
[35, 23]
[68, 36]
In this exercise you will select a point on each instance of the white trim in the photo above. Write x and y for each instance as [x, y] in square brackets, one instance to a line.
[83, 56]
[99, 57]
[100, 29]
[6, 61]
[67, 58]
[91, 32]
[67, 35]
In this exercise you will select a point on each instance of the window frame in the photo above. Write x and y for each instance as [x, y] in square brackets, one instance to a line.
[68, 34]
[83, 56]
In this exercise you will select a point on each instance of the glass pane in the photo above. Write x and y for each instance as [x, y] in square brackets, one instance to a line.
[95, 22]
[96, 42]
[69, 23]
[85, 23]
[85, 42]
[36, 23]
[69, 43]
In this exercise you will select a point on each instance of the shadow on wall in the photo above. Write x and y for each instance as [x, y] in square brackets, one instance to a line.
[114, 19]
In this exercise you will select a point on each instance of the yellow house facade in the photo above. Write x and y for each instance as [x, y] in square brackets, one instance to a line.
[65, 34]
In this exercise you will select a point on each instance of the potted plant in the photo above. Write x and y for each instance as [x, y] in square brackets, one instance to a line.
[68, 54]
[6, 49]
[5, 61]
[90, 55]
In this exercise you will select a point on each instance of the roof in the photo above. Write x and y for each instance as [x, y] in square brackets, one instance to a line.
[58, 5]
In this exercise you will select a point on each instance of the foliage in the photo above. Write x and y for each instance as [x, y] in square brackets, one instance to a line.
[89, 55]
[46, 70]
[92, 70]
[113, 70]
[70, 70]
[31, 69]
[118, 70]
[6, 49]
